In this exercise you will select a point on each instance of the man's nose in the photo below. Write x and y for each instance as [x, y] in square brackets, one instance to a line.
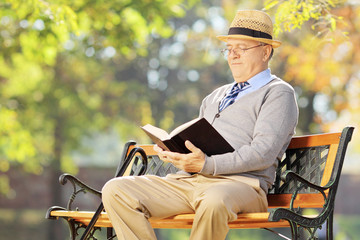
[232, 54]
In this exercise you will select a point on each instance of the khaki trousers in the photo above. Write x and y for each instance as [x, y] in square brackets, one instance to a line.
[130, 201]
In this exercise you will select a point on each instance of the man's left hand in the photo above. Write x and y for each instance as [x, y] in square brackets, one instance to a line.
[191, 162]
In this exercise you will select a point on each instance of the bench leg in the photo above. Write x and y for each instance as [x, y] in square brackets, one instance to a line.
[93, 220]
[109, 233]
[329, 226]
[72, 229]
[294, 230]
[297, 232]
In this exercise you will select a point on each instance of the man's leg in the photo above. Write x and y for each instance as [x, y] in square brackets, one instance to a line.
[218, 201]
[130, 201]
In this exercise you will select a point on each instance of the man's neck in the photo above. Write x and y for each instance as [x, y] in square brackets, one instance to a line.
[239, 80]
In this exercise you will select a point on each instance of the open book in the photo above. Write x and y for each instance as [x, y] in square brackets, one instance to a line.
[198, 131]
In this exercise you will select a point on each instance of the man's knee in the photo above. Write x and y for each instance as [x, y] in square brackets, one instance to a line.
[110, 188]
[106, 191]
[217, 204]
[213, 202]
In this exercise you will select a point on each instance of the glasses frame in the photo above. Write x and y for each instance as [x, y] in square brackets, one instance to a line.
[238, 51]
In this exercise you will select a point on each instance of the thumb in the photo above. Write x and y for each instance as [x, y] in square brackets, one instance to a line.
[191, 146]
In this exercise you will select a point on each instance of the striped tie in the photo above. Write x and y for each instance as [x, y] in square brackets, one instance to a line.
[231, 96]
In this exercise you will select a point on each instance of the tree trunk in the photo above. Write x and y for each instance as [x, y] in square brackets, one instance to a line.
[56, 229]
[306, 116]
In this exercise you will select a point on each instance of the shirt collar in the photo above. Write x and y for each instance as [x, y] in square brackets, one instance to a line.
[260, 79]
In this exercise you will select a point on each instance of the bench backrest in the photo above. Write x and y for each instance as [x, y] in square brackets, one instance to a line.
[317, 158]
[312, 157]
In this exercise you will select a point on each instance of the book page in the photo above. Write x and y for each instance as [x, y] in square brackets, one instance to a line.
[157, 132]
[183, 126]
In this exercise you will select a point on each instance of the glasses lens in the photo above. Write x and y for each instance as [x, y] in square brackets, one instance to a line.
[225, 52]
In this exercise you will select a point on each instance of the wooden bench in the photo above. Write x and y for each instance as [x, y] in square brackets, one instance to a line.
[307, 177]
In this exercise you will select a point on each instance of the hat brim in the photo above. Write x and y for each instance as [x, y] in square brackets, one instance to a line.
[273, 43]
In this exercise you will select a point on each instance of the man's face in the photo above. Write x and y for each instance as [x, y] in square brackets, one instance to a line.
[246, 65]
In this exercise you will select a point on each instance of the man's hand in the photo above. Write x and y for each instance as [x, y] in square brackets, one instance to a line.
[191, 162]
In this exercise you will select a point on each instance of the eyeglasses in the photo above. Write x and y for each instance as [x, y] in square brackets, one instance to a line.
[237, 51]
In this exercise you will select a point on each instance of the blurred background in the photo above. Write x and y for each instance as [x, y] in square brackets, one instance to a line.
[78, 78]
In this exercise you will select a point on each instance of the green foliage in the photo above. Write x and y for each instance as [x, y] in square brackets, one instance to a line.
[292, 14]
[16, 142]
[56, 76]
[72, 68]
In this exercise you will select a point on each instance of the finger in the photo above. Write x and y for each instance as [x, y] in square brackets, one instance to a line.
[173, 155]
[157, 149]
[166, 156]
[165, 159]
[191, 147]
[161, 154]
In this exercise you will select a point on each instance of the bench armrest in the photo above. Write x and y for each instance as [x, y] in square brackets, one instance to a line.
[290, 175]
[294, 214]
[78, 187]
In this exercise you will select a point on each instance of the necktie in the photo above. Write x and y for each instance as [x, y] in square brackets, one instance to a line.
[231, 96]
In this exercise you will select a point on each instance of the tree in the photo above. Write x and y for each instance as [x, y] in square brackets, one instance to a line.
[54, 74]
[321, 58]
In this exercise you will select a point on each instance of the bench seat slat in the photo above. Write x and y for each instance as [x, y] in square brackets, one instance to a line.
[303, 200]
[245, 220]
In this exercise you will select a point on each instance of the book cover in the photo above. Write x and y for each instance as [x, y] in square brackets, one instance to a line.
[198, 131]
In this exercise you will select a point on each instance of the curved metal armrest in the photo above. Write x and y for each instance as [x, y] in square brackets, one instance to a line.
[53, 208]
[288, 175]
[128, 159]
[283, 213]
[75, 181]
[294, 214]
[78, 186]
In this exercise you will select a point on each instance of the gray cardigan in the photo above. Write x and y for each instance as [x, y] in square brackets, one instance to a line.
[259, 127]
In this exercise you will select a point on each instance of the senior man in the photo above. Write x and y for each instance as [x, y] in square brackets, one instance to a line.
[257, 115]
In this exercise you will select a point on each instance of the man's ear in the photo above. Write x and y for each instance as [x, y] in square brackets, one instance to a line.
[267, 52]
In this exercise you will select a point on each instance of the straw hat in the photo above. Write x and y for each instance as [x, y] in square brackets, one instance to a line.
[253, 25]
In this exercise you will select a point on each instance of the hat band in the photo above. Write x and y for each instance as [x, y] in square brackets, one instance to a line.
[248, 32]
